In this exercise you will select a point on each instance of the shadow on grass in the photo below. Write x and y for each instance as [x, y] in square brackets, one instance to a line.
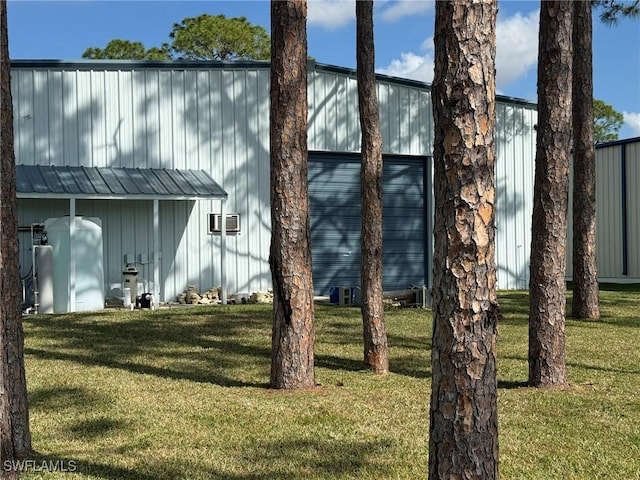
[603, 369]
[628, 322]
[620, 287]
[333, 362]
[296, 459]
[198, 346]
[52, 464]
[60, 398]
[188, 373]
[95, 428]
[284, 460]
[226, 346]
[410, 366]
[511, 384]
[605, 319]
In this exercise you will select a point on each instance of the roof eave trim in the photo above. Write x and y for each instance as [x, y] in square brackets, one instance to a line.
[63, 196]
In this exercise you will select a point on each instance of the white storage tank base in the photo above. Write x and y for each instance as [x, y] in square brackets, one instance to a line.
[88, 259]
[43, 275]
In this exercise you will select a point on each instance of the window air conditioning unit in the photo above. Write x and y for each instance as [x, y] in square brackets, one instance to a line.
[232, 226]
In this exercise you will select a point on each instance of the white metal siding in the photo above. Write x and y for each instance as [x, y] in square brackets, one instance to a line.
[217, 119]
[515, 167]
[334, 123]
[609, 212]
[633, 202]
[159, 118]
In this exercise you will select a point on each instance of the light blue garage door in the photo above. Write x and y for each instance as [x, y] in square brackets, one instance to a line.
[334, 191]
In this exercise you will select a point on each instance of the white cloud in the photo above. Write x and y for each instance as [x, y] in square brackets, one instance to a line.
[632, 120]
[331, 13]
[410, 65]
[516, 46]
[405, 8]
[516, 52]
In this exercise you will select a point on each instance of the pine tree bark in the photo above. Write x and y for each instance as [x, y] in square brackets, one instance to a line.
[10, 293]
[463, 439]
[293, 333]
[547, 288]
[585, 268]
[376, 355]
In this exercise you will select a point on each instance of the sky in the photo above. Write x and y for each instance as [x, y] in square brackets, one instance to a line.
[403, 32]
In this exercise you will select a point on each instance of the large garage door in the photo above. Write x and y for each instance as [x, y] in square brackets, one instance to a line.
[334, 191]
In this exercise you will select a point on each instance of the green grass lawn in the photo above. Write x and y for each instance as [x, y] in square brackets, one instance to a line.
[181, 394]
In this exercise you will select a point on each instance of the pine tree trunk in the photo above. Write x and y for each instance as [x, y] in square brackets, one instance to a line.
[463, 441]
[10, 292]
[547, 286]
[375, 338]
[293, 333]
[585, 268]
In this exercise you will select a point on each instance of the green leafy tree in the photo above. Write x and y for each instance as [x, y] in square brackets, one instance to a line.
[209, 37]
[118, 49]
[606, 122]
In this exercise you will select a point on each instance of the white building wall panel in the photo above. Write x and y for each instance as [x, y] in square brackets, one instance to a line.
[334, 123]
[609, 212]
[617, 233]
[159, 118]
[515, 167]
[632, 155]
[217, 119]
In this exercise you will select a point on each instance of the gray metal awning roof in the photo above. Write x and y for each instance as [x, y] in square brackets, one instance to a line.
[115, 183]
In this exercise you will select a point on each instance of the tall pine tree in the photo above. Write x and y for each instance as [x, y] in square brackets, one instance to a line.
[463, 435]
[13, 372]
[376, 355]
[293, 334]
[547, 287]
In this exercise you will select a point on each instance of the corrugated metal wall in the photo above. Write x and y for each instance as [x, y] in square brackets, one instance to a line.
[632, 156]
[618, 223]
[211, 119]
[215, 116]
[405, 114]
[515, 167]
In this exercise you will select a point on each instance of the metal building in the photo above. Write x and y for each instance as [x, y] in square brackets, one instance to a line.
[213, 117]
[617, 220]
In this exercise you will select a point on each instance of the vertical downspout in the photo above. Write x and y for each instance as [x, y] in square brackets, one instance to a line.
[623, 194]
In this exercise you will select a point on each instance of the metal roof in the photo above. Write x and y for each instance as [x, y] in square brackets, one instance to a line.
[49, 181]
[179, 64]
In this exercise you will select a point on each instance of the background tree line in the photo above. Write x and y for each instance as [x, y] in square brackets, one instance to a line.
[205, 37]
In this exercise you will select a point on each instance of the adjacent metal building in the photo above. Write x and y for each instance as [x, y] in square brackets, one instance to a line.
[214, 117]
[617, 219]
